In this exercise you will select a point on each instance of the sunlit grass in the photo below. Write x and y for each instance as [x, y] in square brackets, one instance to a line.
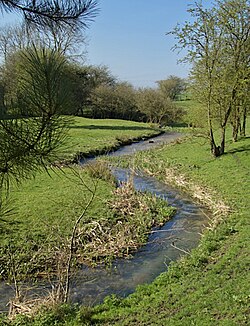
[211, 287]
[91, 136]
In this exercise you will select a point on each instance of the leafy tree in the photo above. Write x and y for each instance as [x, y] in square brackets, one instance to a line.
[217, 43]
[156, 106]
[114, 101]
[29, 143]
[85, 79]
[171, 87]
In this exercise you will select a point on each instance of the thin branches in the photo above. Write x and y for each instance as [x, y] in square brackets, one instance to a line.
[42, 13]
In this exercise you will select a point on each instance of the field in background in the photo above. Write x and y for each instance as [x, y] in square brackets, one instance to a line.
[102, 135]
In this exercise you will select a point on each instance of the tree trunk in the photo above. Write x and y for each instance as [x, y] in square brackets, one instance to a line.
[222, 144]
[243, 127]
[217, 150]
[236, 127]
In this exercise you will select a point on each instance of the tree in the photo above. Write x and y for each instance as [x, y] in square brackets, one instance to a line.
[156, 106]
[46, 12]
[85, 79]
[28, 143]
[171, 87]
[67, 40]
[217, 44]
[115, 102]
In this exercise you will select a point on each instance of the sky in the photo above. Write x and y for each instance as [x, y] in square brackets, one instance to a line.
[129, 37]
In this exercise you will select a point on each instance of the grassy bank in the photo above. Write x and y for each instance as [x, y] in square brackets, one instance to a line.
[36, 234]
[88, 137]
[211, 285]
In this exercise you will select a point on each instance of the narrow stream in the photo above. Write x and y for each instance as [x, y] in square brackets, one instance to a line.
[182, 232]
[174, 239]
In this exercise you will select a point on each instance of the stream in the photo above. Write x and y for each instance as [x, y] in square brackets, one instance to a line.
[166, 244]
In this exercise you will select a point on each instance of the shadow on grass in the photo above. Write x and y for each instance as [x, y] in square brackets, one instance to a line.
[125, 128]
[242, 148]
[8, 226]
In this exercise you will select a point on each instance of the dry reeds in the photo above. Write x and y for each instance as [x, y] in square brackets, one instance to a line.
[202, 194]
[133, 214]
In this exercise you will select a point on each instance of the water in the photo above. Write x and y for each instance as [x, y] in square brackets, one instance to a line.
[166, 244]
[147, 144]
[176, 238]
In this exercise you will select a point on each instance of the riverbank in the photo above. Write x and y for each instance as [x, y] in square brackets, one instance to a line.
[91, 137]
[211, 285]
[45, 210]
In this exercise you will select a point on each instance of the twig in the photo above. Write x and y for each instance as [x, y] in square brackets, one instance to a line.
[182, 250]
[72, 241]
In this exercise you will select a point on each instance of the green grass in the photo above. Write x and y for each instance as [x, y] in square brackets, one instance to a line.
[93, 136]
[209, 287]
[44, 209]
[193, 111]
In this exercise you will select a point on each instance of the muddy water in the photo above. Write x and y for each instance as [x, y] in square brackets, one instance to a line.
[174, 239]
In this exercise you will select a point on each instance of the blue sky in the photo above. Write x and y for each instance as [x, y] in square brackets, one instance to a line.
[129, 36]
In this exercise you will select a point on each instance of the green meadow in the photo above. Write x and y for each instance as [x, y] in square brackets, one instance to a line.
[210, 286]
[43, 210]
[93, 136]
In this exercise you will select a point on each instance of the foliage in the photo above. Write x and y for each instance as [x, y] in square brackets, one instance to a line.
[217, 43]
[30, 142]
[156, 106]
[85, 80]
[45, 13]
[116, 101]
[172, 87]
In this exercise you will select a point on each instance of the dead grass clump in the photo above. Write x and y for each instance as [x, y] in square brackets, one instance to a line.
[29, 306]
[204, 195]
[132, 216]
[99, 169]
[127, 201]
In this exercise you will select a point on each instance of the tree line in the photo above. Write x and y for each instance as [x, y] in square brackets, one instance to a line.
[92, 91]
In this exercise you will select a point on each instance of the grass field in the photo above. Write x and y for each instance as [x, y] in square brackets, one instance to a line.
[44, 209]
[94, 136]
[211, 285]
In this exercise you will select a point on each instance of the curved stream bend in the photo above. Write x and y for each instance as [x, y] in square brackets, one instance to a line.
[175, 238]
